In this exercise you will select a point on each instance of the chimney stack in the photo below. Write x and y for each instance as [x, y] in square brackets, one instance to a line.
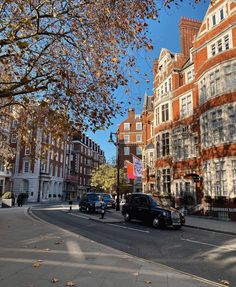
[188, 30]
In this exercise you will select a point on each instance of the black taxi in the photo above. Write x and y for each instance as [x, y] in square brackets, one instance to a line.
[151, 208]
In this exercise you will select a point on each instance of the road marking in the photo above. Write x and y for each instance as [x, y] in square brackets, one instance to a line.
[77, 215]
[130, 228]
[209, 244]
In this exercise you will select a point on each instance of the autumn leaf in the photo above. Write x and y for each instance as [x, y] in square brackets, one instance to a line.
[58, 242]
[37, 264]
[115, 60]
[70, 283]
[54, 280]
[22, 45]
[149, 46]
[225, 282]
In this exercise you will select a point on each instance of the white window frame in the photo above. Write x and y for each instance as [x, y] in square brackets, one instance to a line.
[126, 150]
[157, 115]
[186, 105]
[126, 126]
[222, 14]
[165, 144]
[126, 138]
[139, 126]
[27, 150]
[26, 166]
[220, 44]
[139, 138]
[213, 20]
[138, 150]
[189, 75]
[165, 112]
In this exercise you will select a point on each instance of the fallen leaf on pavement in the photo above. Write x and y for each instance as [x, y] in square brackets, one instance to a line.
[54, 280]
[47, 249]
[225, 282]
[135, 274]
[70, 283]
[148, 282]
[59, 242]
[37, 263]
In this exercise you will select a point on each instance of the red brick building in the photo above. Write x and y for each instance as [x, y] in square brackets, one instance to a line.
[188, 125]
[83, 155]
[190, 131]
[130, 138]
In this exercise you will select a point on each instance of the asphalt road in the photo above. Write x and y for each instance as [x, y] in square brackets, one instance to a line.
[202, 253]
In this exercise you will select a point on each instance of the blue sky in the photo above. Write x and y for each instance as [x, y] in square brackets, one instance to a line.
[164, 35]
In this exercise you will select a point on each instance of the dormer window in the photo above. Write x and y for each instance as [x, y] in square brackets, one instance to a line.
[170, 87]
[221, 14]
[213, 49]
[219, 45]
[226, 42]
[213, 20]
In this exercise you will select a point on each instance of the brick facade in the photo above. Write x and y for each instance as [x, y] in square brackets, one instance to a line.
[130, 139]
[193, 112]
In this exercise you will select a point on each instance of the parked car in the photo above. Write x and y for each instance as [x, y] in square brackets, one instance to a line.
[151, 208]
[109, 200]
[91, 202]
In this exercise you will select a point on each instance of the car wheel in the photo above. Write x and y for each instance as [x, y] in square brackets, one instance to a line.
[156, 222]
[88, 209]
[127, 217]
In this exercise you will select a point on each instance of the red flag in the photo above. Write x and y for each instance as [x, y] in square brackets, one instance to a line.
[130, 170]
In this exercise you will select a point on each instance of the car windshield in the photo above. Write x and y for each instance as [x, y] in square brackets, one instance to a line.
[106, 196]
[156, 199]
[93, 197]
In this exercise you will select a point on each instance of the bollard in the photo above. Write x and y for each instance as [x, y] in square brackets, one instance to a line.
[102, 213]
[70, 203]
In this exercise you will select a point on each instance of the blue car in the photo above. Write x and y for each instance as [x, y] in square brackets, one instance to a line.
[109, 200]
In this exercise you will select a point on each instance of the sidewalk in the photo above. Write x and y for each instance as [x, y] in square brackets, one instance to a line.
[36, 254]
[228, 227]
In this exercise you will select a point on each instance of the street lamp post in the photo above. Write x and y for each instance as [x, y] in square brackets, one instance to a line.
[116, 143]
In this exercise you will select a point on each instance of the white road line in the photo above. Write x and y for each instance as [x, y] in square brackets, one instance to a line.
[130, 228]
[81, 216]
[209, 244]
